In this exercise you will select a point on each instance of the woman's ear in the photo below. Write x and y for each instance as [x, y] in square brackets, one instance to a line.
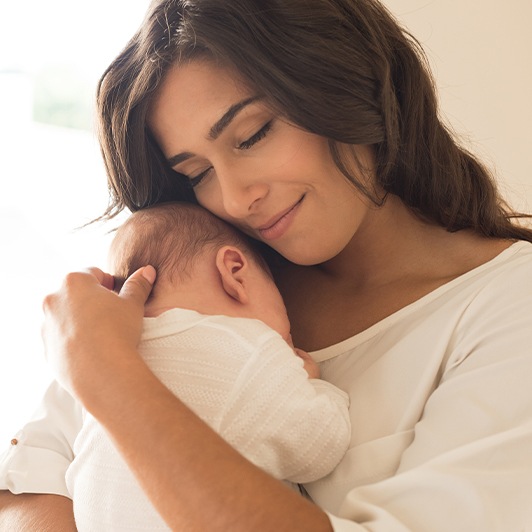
[233, 267]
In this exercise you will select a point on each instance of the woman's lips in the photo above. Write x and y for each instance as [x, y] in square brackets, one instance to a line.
[276, 228]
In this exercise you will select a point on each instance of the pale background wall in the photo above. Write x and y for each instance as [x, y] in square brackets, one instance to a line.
[481, 54]
[52, 180]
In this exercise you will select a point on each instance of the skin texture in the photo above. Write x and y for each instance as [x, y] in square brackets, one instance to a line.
[36, 513]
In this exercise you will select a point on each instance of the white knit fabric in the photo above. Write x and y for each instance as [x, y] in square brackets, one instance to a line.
[241, 378]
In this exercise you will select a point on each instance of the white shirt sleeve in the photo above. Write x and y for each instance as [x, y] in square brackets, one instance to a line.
[41, 452]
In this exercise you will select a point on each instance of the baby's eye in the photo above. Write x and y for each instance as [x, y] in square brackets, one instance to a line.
[259, 135]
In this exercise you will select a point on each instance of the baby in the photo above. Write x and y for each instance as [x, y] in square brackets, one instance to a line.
[217, 334]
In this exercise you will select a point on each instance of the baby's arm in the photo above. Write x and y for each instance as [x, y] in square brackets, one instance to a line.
[295, 428]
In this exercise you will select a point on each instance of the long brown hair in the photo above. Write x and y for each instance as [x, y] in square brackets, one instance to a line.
[342, 69]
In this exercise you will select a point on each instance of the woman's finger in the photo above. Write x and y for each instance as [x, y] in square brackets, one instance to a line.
[105, 279]
[138, 286]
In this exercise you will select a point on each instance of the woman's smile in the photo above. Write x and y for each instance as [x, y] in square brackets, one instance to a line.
[279, 224]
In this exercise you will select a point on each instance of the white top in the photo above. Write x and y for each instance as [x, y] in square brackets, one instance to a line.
[246, 383]
[441, 413]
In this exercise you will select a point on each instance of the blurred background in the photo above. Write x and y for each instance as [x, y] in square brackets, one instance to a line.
[52, 180]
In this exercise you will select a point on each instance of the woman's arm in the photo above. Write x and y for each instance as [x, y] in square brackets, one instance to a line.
[36, 513]
[192, 476]
[40, 453]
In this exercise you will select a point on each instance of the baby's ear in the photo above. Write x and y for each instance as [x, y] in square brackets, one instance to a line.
[233, 268]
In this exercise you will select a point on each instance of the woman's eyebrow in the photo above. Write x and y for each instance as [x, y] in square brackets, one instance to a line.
[215, 130]
[229, 115]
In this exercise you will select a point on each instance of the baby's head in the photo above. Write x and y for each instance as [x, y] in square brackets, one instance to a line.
[204, 262]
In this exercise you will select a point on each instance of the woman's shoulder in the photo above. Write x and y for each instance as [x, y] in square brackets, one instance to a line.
[514, 262]
[507, 277]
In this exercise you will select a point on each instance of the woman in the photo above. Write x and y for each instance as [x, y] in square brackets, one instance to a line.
[313, 127]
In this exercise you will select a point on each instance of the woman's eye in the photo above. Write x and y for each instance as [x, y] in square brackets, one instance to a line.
[196, 180]
[259, 135]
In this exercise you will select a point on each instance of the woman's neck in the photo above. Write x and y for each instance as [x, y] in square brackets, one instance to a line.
[393, 259]
[383, 246]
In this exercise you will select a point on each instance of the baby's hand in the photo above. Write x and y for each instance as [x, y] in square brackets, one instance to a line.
[310, 366]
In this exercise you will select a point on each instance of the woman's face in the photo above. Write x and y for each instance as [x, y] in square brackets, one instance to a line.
[252, 168]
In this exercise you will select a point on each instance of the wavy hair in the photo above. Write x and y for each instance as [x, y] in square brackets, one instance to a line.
[342, 69]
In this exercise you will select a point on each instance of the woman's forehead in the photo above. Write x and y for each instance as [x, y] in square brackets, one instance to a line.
[194, 95]
[201, 78]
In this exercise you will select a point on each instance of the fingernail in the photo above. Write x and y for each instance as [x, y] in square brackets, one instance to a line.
[149, 274]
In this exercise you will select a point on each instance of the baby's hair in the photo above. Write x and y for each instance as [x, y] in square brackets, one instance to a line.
[172, 237]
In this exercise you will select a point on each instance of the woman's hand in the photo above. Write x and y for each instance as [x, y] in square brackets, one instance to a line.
[88, 328]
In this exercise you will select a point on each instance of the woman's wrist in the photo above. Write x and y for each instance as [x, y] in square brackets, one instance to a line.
[116, 377]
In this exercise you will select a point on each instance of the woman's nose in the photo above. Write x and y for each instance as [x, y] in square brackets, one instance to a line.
[242, 192]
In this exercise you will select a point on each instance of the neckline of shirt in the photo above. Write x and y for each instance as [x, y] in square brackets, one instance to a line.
[339, 348]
